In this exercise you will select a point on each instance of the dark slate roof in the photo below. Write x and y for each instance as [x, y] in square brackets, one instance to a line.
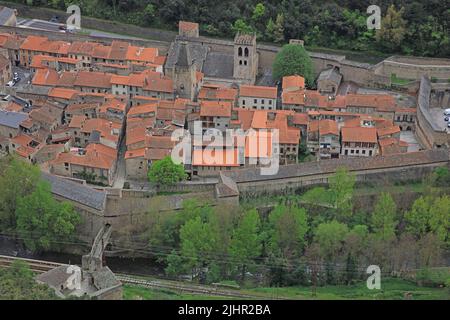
[219, 65]
[197, 54]
[5, 14]
[12, 119]
[330, 74]
[76, 192]
[352, 164]
[183, 56]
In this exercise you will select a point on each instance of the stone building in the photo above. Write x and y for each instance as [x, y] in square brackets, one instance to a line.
[238, 64]
[245, 58]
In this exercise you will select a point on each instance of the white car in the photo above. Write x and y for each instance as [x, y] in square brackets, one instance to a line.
[10, 83]
[447, 112]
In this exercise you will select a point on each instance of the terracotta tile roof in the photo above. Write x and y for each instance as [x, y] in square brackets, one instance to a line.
[67, 79]
[97, 156]
[258, 91]
[135, 135]
[113, 104]
[293, 82]
[137, 153]
[14, 107]
[215, 109]
[293, 97]
[213, 92]
[359, 134]
[81, 106]
[42, 44]
[141, 54]
[45, 77]
[22, 140]
[82, 48]
[157, 154]
[328, 127]
[245, 118]
[159, 142]
[371, 100]
[62, 93]
[258, 144]
[77, 121]
[187, 26]
[145, 109]
[108, 129]
[45, 115]
[300, 119]
[216, 157]
[388, 131]
[93, 79]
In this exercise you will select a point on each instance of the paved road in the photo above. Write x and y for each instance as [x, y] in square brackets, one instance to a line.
[52, 26]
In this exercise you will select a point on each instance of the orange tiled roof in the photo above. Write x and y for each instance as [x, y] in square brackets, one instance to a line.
[215, 109]
[388, 131]
[328, 127]
[97, 156]
[211, 92]
[45, 77]
[216, 157]
[93, 79]
[293, 82]
[359, 134]
[142, 109]
[137, 153]
[258, 91]
[63, 93]
[187, 26]
[293, 97]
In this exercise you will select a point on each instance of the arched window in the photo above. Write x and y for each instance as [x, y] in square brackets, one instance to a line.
[240, 52]
[240, 62]
[246, 52]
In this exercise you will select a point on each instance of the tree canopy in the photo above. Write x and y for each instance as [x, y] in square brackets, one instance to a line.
[293, 60]
[166, 173]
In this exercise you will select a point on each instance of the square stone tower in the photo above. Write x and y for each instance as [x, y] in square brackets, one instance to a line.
[245, 58]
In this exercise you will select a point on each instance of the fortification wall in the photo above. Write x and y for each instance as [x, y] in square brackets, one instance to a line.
[383, 176]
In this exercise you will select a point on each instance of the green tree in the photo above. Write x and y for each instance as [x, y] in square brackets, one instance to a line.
[383, 217]
[242, 27]
[291, 60]
[430, 214]
[258, 11]
[17, 179]
[393, 29]
[278, 30]
[342, 184]
[166, 173]
[17, 283]
[197, 244]
[288, 227]
[246, 243]
[417, 219]
[330, 237]
[440, 218]
[43, 222]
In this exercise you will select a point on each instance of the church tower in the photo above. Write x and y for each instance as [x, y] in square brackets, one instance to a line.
[184, 73]
[245, 58]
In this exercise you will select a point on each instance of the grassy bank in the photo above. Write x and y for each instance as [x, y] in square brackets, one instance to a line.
[391, 289]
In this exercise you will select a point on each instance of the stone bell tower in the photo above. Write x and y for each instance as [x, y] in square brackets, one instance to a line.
[245, 58]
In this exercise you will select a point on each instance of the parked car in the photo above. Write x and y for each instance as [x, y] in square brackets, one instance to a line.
[448, 124]
[446, 118]
[447, 112]
[10, 83]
